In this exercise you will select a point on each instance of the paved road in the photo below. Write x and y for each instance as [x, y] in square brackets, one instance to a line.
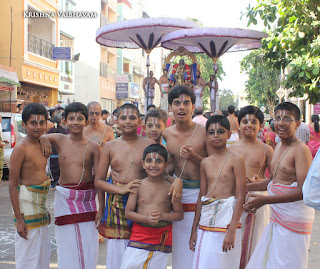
[7, 236]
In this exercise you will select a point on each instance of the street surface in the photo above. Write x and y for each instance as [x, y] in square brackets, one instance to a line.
[7, 231]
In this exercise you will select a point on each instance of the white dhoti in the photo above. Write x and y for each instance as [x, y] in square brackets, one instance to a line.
[34, 252]
[77, 245]
[115, 251]
[76, 233]
[285, 241]
[252, 227]
[233, 138]
[182, 256]
[216, 216]
[164, 99]
[199, 99]
[210, 253]
[141, 258]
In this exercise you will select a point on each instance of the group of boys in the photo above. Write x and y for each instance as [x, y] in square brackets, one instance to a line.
[198, 214]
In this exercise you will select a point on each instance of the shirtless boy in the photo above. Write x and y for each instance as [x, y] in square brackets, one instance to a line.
[234, 125]
[257, 157]
[187, 146]
[285, 241]
[75, 206]
[28, 189]
[220, 202]
[149, 207]
[97, 130]
[155, 123]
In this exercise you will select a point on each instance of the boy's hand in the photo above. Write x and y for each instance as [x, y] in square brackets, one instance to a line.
[193, 241]
[176, 190]
[257, 202]
[186, 152]
[128, 188]
[98, 219]
[22, 229]
[153, 218]
[46, 147]
[228, 242]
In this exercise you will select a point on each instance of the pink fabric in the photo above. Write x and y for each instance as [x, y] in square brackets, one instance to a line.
[314, 142]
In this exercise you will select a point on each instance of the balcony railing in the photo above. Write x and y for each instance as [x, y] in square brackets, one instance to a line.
[39, 46]
[106, 70]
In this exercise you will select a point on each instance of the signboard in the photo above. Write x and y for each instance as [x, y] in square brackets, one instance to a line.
[316, 108]
[123, 78]
[122, 90]
[280, 93]
[61, 53]
[263, 109]
[134, 91]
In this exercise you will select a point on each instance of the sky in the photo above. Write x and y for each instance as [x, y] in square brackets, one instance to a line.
[212, 13]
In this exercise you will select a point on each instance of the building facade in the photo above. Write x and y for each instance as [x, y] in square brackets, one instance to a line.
[27, 45]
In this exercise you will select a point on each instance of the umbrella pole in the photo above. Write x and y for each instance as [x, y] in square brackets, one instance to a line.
[215, 69]
[147, 64]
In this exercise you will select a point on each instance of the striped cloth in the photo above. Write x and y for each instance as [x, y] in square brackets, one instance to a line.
[114, 225]
[33, 200]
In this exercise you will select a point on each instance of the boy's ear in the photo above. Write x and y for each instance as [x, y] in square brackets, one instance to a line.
[24, 126]
[170, 108]
[86, 123]
[229, 134]
[144, 127]
[298, 124]
[142, 163]
[261, 126]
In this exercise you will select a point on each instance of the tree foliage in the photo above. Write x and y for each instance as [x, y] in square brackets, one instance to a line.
[293, 43]
[226, 98]
[263, 82]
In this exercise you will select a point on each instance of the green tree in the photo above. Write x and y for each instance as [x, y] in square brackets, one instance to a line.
[263, 82]
[226, 98]
[293, 43]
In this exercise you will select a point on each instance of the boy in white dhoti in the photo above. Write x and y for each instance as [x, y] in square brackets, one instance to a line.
[76, 213]
[219, 206]
[257, 157]
[285, 241]
[187, 146]
[28, 188]
[149, 208]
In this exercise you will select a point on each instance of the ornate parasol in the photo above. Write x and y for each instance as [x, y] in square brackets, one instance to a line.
[213, 41]
[140, 33]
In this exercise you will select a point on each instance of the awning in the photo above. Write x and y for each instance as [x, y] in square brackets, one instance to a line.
[8, 78]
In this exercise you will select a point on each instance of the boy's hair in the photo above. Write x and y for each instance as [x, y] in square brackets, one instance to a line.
[224, 122]
[157, 148]
[292, 108]
[225, 113]
[251, 110]
[34, 109]
[133, 107]
[19, 105]
[115, 112]
[150, 106]
[178, 90]
[76, 107]
[93, 103]
[105, 112]
[157, 113]
[231, 109]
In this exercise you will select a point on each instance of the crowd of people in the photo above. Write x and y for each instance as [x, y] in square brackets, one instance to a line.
[181, 182]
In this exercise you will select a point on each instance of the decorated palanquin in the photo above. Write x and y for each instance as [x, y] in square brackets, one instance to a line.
[181, 73]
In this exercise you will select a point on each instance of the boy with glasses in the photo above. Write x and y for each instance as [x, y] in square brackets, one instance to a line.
[285, 241]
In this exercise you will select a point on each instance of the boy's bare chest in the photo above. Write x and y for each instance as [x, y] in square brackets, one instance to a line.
[282, 164]
[123, 155]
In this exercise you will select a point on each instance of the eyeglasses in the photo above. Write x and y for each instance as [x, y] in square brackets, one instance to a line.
[284, 119]
[94, 113]
[216, 132]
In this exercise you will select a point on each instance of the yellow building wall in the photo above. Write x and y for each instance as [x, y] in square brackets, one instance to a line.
[17, 34]
[40, 77]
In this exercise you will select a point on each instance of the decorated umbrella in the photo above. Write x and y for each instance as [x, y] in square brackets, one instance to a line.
[213, 41]
[140, 33]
